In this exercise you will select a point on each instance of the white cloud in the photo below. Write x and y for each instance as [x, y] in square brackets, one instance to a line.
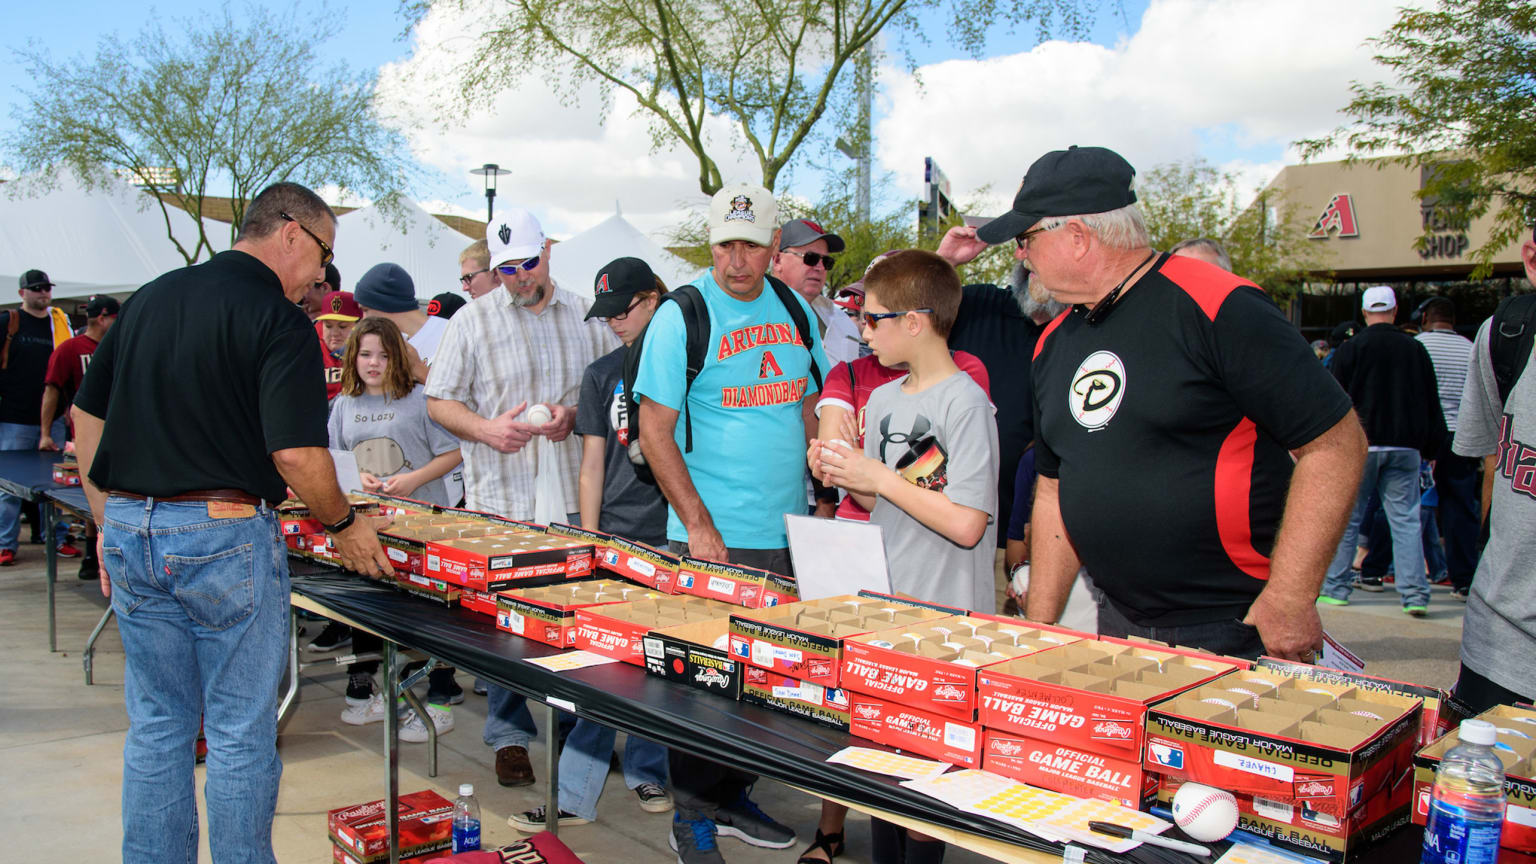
[1199, 77]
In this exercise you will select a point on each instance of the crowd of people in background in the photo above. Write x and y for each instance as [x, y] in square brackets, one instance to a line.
[1136, 440]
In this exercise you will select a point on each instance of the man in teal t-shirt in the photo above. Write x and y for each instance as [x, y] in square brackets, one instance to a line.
[749, 404]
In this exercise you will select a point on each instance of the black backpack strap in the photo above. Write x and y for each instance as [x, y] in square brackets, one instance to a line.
[788, 297]
[1510, 338]
[696, 338]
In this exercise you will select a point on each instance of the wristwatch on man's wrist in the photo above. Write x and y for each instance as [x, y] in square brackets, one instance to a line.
[344, 524]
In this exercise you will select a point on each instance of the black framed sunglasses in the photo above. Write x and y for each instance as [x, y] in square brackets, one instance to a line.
[470, 277]
[512, 268]
[326, 254]
[871, 319]
[811, 259]
[639, 298]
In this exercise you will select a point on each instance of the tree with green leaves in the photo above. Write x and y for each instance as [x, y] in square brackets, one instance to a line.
[212, 106]
[769, 69]
[1264, 235]
[1461, 103]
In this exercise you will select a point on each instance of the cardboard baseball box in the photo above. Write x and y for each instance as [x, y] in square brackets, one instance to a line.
[1085, 773]
[914, 730]
[483, 602]
[640, 563]
[695, 654]
[341, 855]
[1442, 711]
[932, 666]
[805, 640]
[405, 539]
[1516, 748]
[735, 584]
[1143, 642]
[618, 630]
[548, 614]
[66, 473]
[425, 819]
[827, 706]
[1089, 695]
[512, 557]
[294, 517]
[433, 589]
[1339, 755]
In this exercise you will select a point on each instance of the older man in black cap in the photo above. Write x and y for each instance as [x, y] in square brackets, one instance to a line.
[31, 334]
[1165, 429]
[803, 260]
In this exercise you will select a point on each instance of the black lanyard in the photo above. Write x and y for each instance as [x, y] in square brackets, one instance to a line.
[1100, 311]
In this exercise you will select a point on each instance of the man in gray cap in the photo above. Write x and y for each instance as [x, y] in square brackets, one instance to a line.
[1164, 438]
[803, 260]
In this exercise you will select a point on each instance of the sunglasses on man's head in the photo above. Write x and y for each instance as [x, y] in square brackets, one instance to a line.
[811, 259]
[873, 318]
[326, 254]
[470, 277]
[512, 268]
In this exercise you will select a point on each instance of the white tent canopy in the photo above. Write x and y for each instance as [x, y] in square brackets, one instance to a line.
[574, 263]
[410, 237]
[105, 240]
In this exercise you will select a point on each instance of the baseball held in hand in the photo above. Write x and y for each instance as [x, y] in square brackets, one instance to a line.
[1204, 813]
[539, 414]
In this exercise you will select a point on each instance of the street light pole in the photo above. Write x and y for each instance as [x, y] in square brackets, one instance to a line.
[490, 171]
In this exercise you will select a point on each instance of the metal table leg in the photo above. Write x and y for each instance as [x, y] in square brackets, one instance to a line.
[552, 769]
[291, 696]
[392, 750]
[88, 656]
[45, 512]
[421, 711]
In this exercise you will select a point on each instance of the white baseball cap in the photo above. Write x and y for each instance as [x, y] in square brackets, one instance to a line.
[1379, 298]
[513, 236]
[743, 211]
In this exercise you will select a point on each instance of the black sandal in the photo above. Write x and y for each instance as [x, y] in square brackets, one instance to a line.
[826, 843]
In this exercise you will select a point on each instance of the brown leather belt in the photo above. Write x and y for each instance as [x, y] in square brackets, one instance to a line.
[238, 496]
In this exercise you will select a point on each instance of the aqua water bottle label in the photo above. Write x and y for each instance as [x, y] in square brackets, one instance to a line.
[466, 835]
[1452, 837]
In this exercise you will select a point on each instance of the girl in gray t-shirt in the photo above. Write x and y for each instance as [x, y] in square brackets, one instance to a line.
[381, 416]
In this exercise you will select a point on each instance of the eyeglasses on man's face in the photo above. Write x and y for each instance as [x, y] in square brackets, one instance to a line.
[470, 276]
[326, 254]
[512, 268]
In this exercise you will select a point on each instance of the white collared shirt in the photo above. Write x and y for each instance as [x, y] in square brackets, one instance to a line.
[495, 355]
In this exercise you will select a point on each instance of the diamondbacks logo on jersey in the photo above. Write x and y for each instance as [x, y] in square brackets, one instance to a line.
[1339, 216]
[769, 367]
[1096, 391]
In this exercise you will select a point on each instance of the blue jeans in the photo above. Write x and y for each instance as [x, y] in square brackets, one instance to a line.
[584, 766]
[20, 436]
[1394, 474]
[507, 721]
[202, 608]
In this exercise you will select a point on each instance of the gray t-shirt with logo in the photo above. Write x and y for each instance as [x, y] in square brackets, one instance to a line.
[390, 436]
[1498, 637]
[954, 434]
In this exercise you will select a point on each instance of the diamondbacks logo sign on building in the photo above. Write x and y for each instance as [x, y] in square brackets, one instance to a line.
[1338, 216]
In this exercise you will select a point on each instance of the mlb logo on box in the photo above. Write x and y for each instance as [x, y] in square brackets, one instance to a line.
[611, 558]
[685, 580]
[1167, 755]
[739, 649]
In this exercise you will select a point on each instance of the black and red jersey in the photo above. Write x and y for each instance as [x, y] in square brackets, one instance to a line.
[1169, 424]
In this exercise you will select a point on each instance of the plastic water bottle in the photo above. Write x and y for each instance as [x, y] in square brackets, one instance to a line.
[1466, 813]
[466, 820]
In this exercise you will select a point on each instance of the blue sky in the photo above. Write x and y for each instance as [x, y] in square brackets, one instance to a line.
[1231, 81]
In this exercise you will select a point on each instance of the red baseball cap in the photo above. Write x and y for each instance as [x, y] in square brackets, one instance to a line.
[339, 306]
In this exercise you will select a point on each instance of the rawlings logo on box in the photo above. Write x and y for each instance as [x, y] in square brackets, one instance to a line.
[1059, 768]
[915, 731]
[734, 584]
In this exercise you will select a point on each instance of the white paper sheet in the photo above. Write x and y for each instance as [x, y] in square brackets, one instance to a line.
[347, 476]
[835, 556]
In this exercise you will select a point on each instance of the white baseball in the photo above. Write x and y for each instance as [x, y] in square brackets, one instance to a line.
[1204, 813]
[539, 414]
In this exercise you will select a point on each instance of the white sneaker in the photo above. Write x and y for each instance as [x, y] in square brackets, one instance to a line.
[360, 713]
[415, 731]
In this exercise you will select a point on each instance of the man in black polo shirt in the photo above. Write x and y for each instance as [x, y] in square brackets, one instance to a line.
[1168, 405]
[180, 480]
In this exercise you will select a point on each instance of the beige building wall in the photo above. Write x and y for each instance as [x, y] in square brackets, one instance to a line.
[1369, 220]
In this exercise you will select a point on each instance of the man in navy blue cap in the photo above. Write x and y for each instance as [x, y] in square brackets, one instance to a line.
[387, 291]
[1165, 428]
